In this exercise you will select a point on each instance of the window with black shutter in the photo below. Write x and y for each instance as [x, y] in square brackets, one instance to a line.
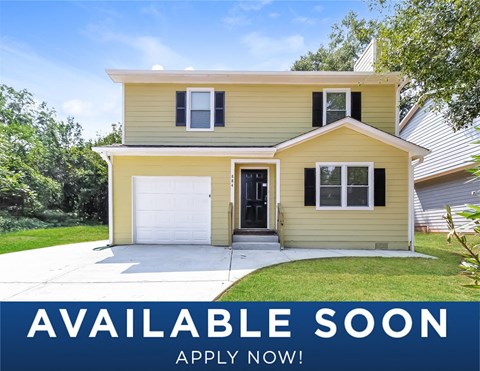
[181, 108]
[356, 101]
[379, 187]
[309, 187]
[317, 109]
[219, 108]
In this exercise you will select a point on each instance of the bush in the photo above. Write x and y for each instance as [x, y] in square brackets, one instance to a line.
[44, 219]
[9, 223]
[471, 256]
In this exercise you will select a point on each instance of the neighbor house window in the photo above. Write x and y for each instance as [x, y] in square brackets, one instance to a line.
[344, 186]
[200, 109]
[336, 104]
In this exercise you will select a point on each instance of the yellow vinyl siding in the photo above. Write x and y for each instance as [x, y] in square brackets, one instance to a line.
[307, 227]
[255, 114]
[125, 168]
[304, 225]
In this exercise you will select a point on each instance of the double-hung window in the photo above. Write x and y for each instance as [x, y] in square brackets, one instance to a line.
[336, 104]
[344, 186]
[200, 109]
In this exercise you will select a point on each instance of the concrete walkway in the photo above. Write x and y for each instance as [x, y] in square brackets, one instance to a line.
[92, 272]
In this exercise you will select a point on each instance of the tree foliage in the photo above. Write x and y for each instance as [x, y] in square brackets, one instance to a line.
[437, 44]
[348, 39]
[46, 167]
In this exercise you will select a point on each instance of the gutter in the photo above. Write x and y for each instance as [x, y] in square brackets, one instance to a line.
[110, 197]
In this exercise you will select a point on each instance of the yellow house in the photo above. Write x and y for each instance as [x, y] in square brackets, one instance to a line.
[308, 159]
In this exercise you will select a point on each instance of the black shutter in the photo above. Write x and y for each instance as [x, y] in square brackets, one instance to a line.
[219, 108]
[309, 186]
[317, 109]
[356, 108]
[181, 109]
[379, 187]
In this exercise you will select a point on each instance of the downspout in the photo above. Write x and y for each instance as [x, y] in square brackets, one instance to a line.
[411, 214]
[110, 197]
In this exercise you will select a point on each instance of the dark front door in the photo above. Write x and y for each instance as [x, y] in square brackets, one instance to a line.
[254, 199]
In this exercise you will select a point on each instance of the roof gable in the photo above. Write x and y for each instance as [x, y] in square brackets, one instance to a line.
[360, 127]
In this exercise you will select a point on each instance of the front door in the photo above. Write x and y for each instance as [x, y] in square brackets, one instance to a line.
[254, 199]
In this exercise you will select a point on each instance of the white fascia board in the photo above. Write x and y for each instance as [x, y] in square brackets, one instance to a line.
[187, 151]
[415, 150]
[253, 77]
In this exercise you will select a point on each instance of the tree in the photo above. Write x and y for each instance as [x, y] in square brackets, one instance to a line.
[437, 44]
[46, 167]
[348, 39]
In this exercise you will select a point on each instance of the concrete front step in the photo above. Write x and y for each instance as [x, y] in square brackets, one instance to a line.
[255, 238]
[256, 245]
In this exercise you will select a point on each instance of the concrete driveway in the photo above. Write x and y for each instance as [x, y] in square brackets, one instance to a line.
[92, 272]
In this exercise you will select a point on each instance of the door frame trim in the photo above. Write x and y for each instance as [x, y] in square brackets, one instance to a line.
[240, 194]
[233, 181]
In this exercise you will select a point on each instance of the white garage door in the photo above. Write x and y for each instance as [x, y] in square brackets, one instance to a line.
[172, 210]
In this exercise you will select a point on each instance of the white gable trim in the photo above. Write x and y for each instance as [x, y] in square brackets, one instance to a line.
[350, 123]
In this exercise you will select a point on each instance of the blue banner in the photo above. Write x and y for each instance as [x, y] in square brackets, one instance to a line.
[257, 336]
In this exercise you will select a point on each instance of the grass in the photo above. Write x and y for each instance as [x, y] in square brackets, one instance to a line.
[363, 279]
[37, 238]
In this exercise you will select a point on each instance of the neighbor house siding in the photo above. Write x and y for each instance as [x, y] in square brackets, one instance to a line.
[127, 167]
[449, 150]
[431, 197]
[307, 227]
[255, 114]
[366, 60]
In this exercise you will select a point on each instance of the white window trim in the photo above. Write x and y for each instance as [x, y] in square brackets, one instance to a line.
[344, 185]
[348, 95]
[212, 108]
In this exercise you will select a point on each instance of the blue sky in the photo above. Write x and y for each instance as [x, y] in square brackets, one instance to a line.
[59, 50]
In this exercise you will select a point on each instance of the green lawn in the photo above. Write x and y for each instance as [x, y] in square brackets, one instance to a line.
[363, 279]
[36, 238]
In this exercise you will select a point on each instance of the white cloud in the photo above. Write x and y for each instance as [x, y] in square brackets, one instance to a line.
[92, 99]
[150, 10]
[236, 20]
[263, 46]
[157, 67]
[77, 107]
[252, 5]
[274, 15]
[151, 50]
[304, 20]
[238, 14]
[189, 68]
[318, 8]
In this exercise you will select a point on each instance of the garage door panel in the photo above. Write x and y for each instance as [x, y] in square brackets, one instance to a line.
[201, 188]
[154, 202]
[201, 203]
[182, 204]
[172, 210]
[200, 236]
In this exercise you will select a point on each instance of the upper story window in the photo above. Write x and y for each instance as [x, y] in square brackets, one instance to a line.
[336, 104]
[344, 186]
[200, 109]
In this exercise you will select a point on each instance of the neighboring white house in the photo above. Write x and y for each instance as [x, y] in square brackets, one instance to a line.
[442, 178]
